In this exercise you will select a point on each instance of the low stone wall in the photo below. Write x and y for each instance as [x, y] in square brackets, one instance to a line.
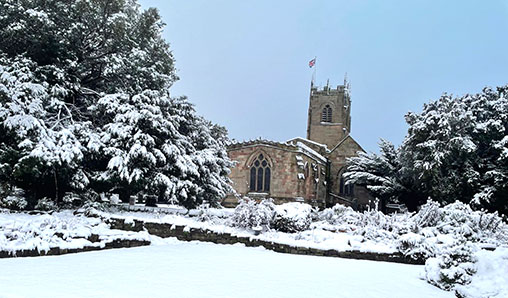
[190, 234]
[117, 243]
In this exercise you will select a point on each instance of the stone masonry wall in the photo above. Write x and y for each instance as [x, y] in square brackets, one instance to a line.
[331, 133]
[293, 174]
[348, 148]
[54, 251]
[190, 234]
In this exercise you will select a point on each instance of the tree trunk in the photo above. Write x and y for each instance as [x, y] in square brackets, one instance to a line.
[56, 185]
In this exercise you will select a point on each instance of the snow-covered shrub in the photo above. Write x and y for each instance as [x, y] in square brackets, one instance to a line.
[459, 219]
[249, 214]
[292, 217]
[91, 207]
[14, 200]
[429, 215]
[372, 224]
[416, 246]
[400, 223]
[377, 219]
[340, 215]
[205, 213]
[70, 200]
[434, 229]
[90, 196]
[45, 204]
[454, 266]
[13, 203]
[490, 278]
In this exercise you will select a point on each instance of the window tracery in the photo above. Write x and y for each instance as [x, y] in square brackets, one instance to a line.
[326, 114]
[260, 174]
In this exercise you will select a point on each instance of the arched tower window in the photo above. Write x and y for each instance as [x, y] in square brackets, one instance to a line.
[326, 114]
[260, 174]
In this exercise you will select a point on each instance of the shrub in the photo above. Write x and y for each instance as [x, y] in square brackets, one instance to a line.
[455, 266]
[205, 213]
[14, 200]
[45, 204]
[428, 215]
[292, 217]
[340, 214]
[249, 214]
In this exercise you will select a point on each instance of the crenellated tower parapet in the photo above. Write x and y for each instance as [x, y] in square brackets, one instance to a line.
[329, 117]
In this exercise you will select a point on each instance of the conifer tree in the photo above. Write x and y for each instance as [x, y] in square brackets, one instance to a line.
[85, 105]
[455, 149]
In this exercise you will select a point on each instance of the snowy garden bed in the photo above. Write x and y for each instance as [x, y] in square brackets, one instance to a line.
[455, 241]
[60, 232]
[465, 251]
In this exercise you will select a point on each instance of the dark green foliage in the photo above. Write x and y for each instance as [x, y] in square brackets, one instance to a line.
[456, 149]
[85, 106]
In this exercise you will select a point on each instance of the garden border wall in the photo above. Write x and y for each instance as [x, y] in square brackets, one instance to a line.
[55, 251]
[184, 233]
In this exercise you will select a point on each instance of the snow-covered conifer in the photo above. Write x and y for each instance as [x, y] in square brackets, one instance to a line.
[455, 149]
[85, 106]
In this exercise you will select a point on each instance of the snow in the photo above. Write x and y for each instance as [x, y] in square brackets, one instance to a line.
[491, 278]
[308, 141]
[196, 269]
[306, 149]
[21, 231]
[426, 234]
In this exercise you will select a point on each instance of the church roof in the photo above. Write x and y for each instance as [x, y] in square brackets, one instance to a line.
[344, 140]
[292, 145]
[312, 143]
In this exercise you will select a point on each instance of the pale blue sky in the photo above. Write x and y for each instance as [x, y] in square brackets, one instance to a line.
[244, 64]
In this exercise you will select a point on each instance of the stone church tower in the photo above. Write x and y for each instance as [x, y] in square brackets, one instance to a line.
[329, 119]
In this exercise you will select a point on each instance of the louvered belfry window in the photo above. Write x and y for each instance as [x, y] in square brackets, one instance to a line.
[260, 175]
[326, 115]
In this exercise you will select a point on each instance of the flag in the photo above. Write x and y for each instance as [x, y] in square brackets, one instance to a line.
[312, 62]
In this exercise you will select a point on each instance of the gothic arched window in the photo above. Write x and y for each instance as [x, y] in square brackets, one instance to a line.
[260, 175]
[326, 114]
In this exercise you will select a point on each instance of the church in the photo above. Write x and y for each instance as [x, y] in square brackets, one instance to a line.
[303, 169]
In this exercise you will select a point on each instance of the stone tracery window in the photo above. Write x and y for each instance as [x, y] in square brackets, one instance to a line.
[260, 175]
[326, 114]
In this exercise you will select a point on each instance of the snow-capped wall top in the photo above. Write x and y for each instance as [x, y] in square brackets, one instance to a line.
[291, 146]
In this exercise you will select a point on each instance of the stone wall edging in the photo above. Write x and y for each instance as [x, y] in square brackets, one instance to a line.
[184, 233]
[54, 251]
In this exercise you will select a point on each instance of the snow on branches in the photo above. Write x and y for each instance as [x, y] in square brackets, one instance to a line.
[85, 106]
[455, 149]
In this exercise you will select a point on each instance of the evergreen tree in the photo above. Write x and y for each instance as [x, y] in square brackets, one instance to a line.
[383, 176]
[84, 105]
[455, 149]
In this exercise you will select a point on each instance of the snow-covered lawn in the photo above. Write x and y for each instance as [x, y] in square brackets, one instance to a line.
[21, 231]
[196, 269]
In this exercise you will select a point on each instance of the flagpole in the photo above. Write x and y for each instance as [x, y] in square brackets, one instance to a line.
[314, 72]
[310, 95]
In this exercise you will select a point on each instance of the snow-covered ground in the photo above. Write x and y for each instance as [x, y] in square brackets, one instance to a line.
[196, 269]
[21, 231]
[450, 238]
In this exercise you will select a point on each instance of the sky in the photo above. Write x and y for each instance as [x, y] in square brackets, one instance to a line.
[244, 64]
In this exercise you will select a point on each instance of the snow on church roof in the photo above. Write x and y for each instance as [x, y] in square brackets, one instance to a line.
[291, 145]
[306, 148]
[308, 141]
